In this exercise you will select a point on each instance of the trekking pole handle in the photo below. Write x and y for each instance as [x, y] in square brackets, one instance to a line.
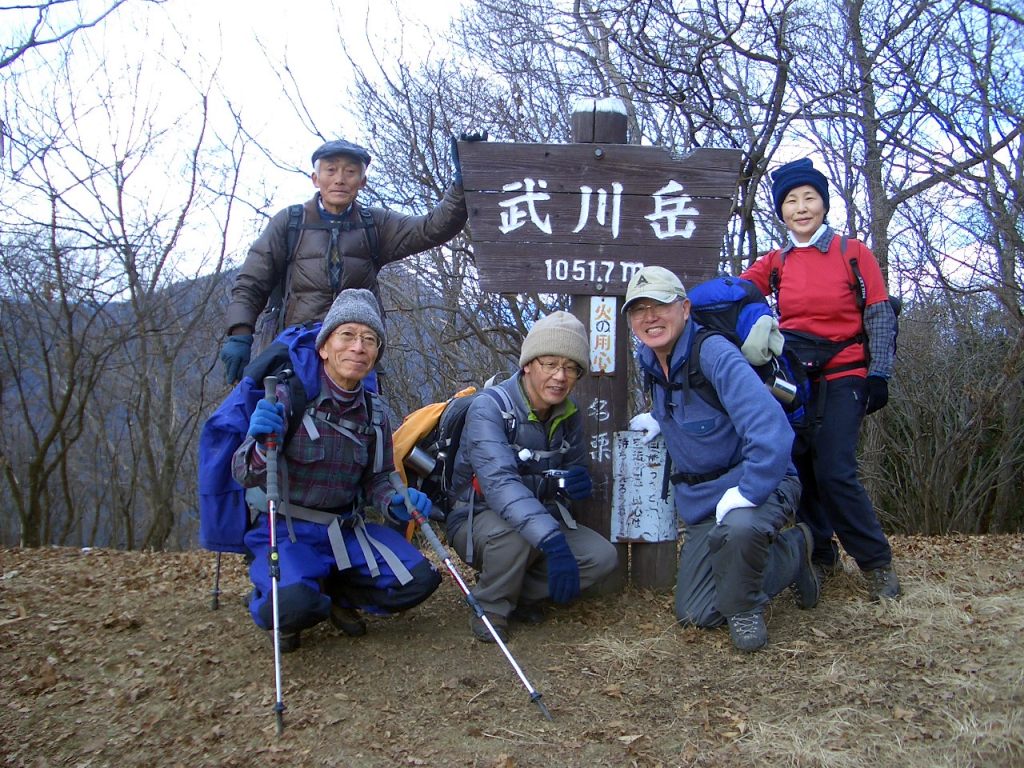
[435, 543]
[270, 392]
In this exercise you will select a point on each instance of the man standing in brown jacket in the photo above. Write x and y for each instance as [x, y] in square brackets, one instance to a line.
[335, 243]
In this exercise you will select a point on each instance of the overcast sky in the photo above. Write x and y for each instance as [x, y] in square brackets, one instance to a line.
[303, 32]
[139, 75]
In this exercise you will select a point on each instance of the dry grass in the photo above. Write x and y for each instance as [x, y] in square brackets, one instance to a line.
[115, 660]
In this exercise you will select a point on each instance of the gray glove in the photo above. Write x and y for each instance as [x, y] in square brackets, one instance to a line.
[235, 356]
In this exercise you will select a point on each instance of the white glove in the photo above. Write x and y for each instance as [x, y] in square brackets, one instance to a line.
[645, 422]
[731, 499]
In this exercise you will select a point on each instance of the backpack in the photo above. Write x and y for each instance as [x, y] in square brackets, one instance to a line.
[814, 351]
[428, 440]
[270, 323]
[292, 358]
[731, 307]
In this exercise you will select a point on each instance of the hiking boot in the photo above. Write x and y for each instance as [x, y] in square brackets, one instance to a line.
[806, 588]
[288, 641]
[883, 582]
[528, 613]
[827, 571]
[347, 620]
[479, 629]
[748, 631]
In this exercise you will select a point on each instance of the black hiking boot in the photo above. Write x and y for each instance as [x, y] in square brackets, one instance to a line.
[347, 620]
[825, 572]
[528, 613]
[883, 582]
[479, 630]
[288, 641]
[748, 631]
[806, 588]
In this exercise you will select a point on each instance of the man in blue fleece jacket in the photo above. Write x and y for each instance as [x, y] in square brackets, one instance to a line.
[735, 486]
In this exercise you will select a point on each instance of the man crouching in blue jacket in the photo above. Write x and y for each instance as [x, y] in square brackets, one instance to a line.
[735, 486]
[339, 458]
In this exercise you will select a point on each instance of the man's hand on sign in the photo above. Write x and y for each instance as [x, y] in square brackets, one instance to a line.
[456, 163]
[645, 422]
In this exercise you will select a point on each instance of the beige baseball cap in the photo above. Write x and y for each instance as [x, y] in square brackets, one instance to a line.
[655, 283]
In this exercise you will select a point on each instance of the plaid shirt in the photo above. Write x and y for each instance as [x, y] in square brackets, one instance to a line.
[333, 471]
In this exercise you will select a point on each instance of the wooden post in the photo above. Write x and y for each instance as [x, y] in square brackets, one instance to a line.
[604, 398]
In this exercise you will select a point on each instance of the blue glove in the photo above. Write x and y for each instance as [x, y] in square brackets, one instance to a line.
[876, 394]
[563, 570]
[419, 500]
[578, 483]
[457, 178]
[235, 355]
[268, 417]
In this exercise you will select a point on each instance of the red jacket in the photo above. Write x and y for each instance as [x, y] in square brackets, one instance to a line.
[817, 293]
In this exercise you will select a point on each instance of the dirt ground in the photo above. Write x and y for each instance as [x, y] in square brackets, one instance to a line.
[116, 659]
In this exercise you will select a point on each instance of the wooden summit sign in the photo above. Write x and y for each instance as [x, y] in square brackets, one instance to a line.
[583, 218]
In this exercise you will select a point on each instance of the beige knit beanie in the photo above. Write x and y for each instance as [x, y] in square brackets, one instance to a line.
[558, 334]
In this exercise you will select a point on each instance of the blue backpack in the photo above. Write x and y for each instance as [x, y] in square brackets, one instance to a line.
[730, 307]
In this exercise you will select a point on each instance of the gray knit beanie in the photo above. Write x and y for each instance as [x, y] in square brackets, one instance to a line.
[558, 334]
[353, 305]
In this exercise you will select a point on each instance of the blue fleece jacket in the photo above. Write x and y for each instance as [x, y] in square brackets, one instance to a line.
[753, 437]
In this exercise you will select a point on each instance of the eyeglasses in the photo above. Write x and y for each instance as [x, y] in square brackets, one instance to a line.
[571, 371]
[636, 311]
[347, 339]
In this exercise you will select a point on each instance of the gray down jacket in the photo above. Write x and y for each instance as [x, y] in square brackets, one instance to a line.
[515, 487]
[310, 294]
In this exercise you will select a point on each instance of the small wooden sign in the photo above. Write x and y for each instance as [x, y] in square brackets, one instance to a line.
[583, 218]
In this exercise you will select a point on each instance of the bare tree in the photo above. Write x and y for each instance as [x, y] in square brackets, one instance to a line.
[111, 460]
[33, 25]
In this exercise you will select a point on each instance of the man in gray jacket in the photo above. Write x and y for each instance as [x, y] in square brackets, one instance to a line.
[340, 244]
[521, 459]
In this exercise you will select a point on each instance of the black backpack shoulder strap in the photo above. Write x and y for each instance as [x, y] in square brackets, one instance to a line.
[295, 215]
[695, 378]
[858, 286]
[370, 228]
[775, 277]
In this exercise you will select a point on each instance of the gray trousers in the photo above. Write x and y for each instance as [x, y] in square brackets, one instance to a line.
[743, 563]
[512, 571]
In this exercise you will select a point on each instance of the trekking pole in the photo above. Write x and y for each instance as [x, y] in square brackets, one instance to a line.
[471, 601]
[215, 603]
[270, 390]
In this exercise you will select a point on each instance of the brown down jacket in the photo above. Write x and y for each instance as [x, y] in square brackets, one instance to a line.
[310, 295]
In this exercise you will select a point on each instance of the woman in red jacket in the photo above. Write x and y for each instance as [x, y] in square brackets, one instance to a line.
[834, 311]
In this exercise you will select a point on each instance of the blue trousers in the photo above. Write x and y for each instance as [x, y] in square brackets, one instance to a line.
[743, 563]
[308, 562]
[834, 501]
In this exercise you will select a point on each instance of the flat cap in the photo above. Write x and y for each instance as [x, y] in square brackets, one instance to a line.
[341, 147]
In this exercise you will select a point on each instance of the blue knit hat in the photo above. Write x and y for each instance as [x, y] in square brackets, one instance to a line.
[796, 174]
